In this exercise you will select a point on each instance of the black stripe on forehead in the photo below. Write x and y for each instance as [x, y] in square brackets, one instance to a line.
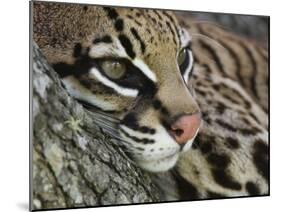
[119, 24]
[112, 13]
[170, 28]
[126, 43]
[136, 35]
[174, 24]
[158, 15]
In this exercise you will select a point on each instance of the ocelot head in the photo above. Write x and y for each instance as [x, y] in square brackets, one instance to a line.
[133, 64]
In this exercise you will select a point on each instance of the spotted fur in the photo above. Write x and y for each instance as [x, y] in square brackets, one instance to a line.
[226, 80]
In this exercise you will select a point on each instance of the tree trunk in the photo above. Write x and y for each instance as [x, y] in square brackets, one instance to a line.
[75, 164]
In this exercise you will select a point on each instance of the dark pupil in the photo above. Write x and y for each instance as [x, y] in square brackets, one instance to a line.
[185, 62]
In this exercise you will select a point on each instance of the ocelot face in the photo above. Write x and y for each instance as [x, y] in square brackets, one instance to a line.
[135, 65]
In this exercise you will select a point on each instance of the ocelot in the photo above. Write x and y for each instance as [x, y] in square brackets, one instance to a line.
[191, 99]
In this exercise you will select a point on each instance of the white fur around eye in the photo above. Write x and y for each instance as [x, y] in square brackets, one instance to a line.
[114, 49]
[184, 37]
[145, 69]
[78, 91]
[119, 89]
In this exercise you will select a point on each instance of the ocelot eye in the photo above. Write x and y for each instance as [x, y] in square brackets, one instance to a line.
[113, 69]
[185, 62]
[182, 57]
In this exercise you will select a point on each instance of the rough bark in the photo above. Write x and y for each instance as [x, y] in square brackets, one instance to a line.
[75, 164]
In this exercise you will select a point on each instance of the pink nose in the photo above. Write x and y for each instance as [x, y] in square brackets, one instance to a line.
[185, 127]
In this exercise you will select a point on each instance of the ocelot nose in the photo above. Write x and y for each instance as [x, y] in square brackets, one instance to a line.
[185, 127]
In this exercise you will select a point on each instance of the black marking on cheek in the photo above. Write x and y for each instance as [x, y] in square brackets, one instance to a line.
[164, 111]
[145, 129]
[136, 35]
[64, 69]
[119, 24]
[260, 158]
[112, 14]
[104, 39]
[130, 120]
[157, 104]
[224, 179]
[126, 43]
[252, 188]
[138, 140]
[77, 50]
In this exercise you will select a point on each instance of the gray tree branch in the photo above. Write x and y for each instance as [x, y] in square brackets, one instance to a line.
[75, 164]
